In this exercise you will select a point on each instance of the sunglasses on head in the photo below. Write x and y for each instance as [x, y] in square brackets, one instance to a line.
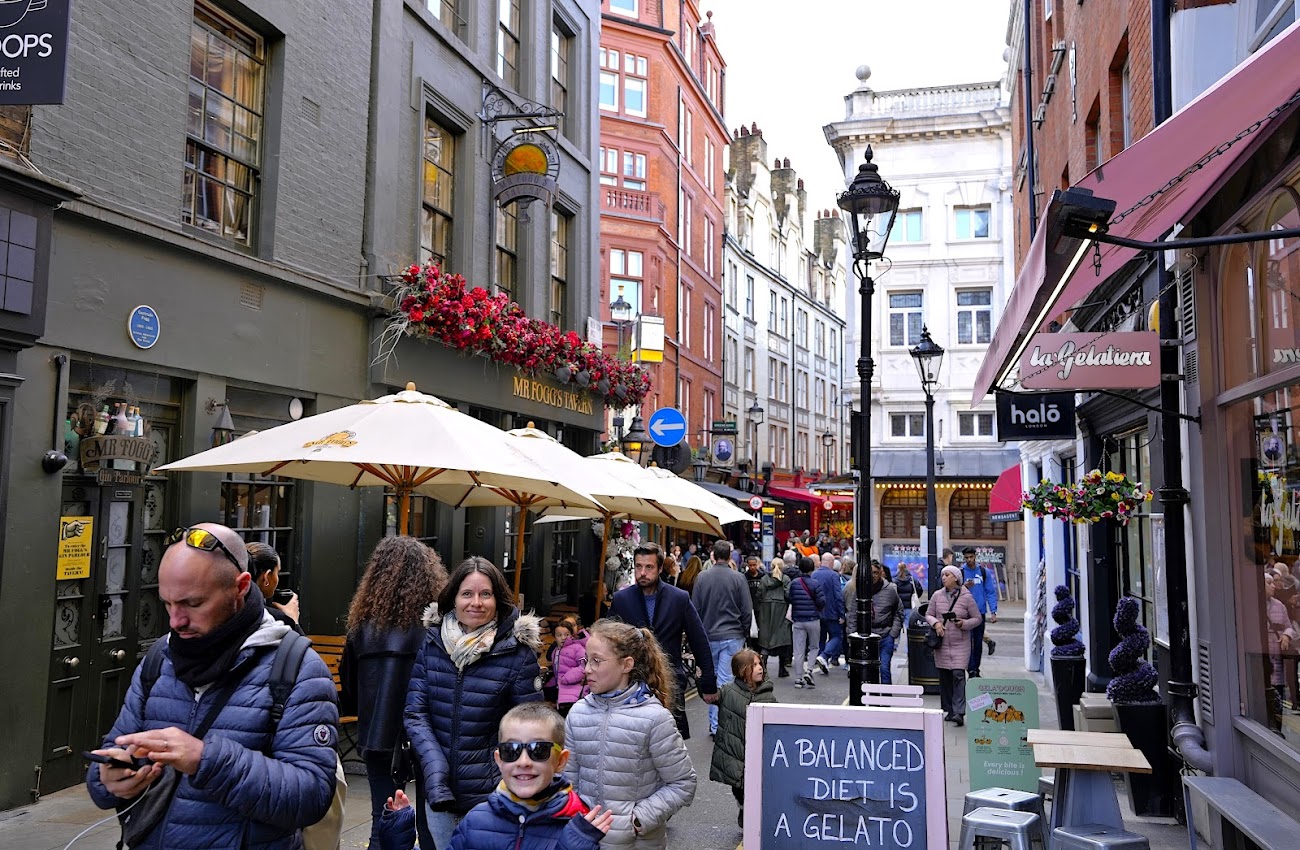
[510, 751]
[203, 540]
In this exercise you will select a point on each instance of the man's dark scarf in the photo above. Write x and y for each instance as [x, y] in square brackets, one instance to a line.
[203, 660]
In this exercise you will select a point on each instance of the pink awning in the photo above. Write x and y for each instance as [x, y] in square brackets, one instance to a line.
[1049, 283]
[1004, 498]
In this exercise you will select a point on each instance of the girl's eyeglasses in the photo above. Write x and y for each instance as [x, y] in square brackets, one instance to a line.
[593, 662]
[510, 751]
[203, 540]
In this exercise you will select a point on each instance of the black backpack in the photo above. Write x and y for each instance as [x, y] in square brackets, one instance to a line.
[284, 672]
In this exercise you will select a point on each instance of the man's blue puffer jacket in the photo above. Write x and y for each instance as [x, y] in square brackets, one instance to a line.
[805, 592]
[240, 796]
[452, 716]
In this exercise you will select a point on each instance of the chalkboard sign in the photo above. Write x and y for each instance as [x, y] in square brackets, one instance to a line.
[867, 777]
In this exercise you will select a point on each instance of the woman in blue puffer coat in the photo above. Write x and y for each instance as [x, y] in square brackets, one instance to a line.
[478, 661]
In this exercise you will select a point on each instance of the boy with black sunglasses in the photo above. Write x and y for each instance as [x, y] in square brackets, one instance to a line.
[534, 807]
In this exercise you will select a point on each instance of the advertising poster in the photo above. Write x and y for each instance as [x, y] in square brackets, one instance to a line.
[75, 542]
[909, 555]
[999, 715]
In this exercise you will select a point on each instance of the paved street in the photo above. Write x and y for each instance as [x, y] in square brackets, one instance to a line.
[709, 824]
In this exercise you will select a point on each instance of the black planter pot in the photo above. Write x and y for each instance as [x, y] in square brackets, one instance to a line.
[1068, 676]
[1147, 727]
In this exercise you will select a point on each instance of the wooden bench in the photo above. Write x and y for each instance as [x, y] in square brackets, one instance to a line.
[898, 696]
[330, 650]
[1246, 813]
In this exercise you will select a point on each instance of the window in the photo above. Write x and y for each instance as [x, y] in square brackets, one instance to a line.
[835, 348]
[749, 297]
[801, 327]
[973, 222]
[783, 383]
[975, 424]
[687, 210]
[907, 226]
[731, 355]
[439, 183]
[819, 396]
[707, 418]
[508, 42]
[223, 145]
[687, 136]
[684, 399]
[608, 166]
[771, 377]
[733, 273]
[560, 227]
[974, 316]
[708, 331]
[907, 424]
[687, 295]
[801, 450]
[1271, 17]
[625, 273]
[449, 12]
[784, 317]
[708, 163]
[902, 513]
[819, 338]
[634, 84]
[507, 226]
[609, 63]
[968, 513]
[801, 389]
[1126, 104]
[905, 318]
[634, 171]
[561, 47]
[749, 370]
[624, 7]
[708, 247]
[771, 311]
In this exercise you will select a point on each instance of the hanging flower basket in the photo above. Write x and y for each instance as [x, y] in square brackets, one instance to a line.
[1097, 496]
[444, 308]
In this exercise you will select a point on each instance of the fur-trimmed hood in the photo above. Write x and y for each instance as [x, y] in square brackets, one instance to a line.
[525, 628]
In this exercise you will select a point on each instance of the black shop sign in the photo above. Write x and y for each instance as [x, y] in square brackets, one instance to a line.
[1035, 416]
[33, 51]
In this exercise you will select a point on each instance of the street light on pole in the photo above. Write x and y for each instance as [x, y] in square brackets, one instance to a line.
[755, 414]
[871, 205]
[828, 440]
[928, 355]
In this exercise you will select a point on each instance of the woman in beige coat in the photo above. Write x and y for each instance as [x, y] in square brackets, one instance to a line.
[953, 613]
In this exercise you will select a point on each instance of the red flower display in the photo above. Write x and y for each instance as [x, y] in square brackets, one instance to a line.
[442, 307]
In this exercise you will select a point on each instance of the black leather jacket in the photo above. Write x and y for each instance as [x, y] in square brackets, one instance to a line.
[375, 674]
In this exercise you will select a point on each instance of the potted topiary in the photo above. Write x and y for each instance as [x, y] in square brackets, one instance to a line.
[1140, 713]
[1068, 664]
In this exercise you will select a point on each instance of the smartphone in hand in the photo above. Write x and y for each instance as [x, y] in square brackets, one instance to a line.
[135, 764]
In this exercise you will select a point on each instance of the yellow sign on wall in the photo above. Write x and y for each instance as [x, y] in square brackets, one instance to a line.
[76, 540]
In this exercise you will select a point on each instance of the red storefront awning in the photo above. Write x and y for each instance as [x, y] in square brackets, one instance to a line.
[1004, 498]
[1162, 179]
[798, 495]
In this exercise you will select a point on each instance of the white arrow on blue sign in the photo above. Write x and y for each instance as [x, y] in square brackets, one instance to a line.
[667, 427]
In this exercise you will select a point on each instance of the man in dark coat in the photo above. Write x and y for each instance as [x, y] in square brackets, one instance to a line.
[668, 612]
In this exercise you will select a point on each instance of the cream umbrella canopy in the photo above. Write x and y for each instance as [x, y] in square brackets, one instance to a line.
[409, 441]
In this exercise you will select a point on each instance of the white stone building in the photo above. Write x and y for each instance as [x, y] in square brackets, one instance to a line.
[948, 267]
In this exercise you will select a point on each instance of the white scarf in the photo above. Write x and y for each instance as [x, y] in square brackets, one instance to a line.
[463, 648]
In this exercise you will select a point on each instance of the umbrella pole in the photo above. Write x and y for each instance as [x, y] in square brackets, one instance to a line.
[519, 549]
[403, 510]
[600, 570]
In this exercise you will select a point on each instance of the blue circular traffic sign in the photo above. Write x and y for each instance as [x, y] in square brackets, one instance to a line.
[667, 427]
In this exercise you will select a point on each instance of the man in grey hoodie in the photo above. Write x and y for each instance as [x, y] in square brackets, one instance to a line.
[886, 614]
[721, 595]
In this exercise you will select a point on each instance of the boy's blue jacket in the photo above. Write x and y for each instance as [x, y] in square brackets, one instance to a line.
[502, 823]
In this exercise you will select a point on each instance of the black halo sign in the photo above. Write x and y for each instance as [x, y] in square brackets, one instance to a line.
[1035, 416]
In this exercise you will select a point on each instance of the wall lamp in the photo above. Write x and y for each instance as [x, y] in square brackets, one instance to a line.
[224, 431]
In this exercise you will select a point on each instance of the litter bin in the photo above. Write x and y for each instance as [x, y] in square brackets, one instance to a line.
[920, 658]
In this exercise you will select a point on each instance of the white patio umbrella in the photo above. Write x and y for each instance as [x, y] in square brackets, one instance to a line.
[409, 441]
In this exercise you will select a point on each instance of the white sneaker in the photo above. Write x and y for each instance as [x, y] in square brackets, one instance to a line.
[821, 665]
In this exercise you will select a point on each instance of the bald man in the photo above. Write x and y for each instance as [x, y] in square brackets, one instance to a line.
[248, 774]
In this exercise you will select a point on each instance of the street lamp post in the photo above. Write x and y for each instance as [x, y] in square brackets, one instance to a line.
[755, 414]
[928, 355]
[871, 204]
[828, 440]
[620, 312]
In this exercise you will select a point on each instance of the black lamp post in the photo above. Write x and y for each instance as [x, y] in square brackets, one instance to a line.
[871, 204]
[828, 440]
[634, 441]
[755, 414]
[699, 467]
[928, 355]
[620, 313]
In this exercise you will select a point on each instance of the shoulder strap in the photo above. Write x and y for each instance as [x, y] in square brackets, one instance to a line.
[284, 671]
[150, 670]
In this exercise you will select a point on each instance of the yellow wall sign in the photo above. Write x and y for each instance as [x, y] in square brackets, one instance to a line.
[76, 540]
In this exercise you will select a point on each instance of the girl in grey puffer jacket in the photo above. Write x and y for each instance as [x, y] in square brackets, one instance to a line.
[627, 753]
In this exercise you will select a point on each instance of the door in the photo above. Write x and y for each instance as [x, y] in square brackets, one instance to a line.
[98, 619]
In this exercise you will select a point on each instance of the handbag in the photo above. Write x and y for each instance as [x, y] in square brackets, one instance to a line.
[402, 769]
[933, 639]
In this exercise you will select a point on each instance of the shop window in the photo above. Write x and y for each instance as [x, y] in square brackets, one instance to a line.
[902, 513]
[968, 516]
[223, 146]
[1131, 454]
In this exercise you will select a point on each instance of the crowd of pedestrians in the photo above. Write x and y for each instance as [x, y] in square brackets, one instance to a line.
[228, 734]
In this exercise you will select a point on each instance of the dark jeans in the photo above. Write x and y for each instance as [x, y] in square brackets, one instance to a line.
[379, 773]
[834, 643]
[679, 708]
[952, 692]
[886, 658]
[976, 650]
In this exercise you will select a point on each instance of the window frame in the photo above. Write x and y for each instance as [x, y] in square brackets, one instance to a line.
[432, 212]
[972, 234]
[973, 311]
[511, 74]
[558, 300]
[622, 10]
[625, 277]
[898, 230]
[562, 41]
[911, 421]
[506, 251]
[976, 420]
[908, 313]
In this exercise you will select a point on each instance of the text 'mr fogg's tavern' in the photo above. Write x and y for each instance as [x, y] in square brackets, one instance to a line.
[860, 787]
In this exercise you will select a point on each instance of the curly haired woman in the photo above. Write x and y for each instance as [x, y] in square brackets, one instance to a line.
[385, 631]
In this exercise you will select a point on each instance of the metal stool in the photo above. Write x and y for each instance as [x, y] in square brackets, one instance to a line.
[1009, 800]
[1047, 787]
[1019, 829]
[1095, 836]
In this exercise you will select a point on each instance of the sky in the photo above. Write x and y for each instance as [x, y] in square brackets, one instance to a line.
[790, 64]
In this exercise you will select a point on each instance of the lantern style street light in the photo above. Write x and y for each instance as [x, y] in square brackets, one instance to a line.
[928, 355]
[755, 414]
[870, 204]
[828, 440]
[634, 441]
[620, 313]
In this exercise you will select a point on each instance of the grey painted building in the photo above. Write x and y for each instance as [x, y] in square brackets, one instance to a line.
[252, 172]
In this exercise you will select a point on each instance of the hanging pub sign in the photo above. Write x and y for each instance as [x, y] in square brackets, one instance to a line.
[1119, 360]
[1035, 416]
[33, 51]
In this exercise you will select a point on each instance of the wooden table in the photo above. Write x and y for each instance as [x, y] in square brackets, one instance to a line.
[1083, 762]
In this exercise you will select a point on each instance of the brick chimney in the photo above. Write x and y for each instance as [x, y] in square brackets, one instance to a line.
[748, 153]
[828, 236]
